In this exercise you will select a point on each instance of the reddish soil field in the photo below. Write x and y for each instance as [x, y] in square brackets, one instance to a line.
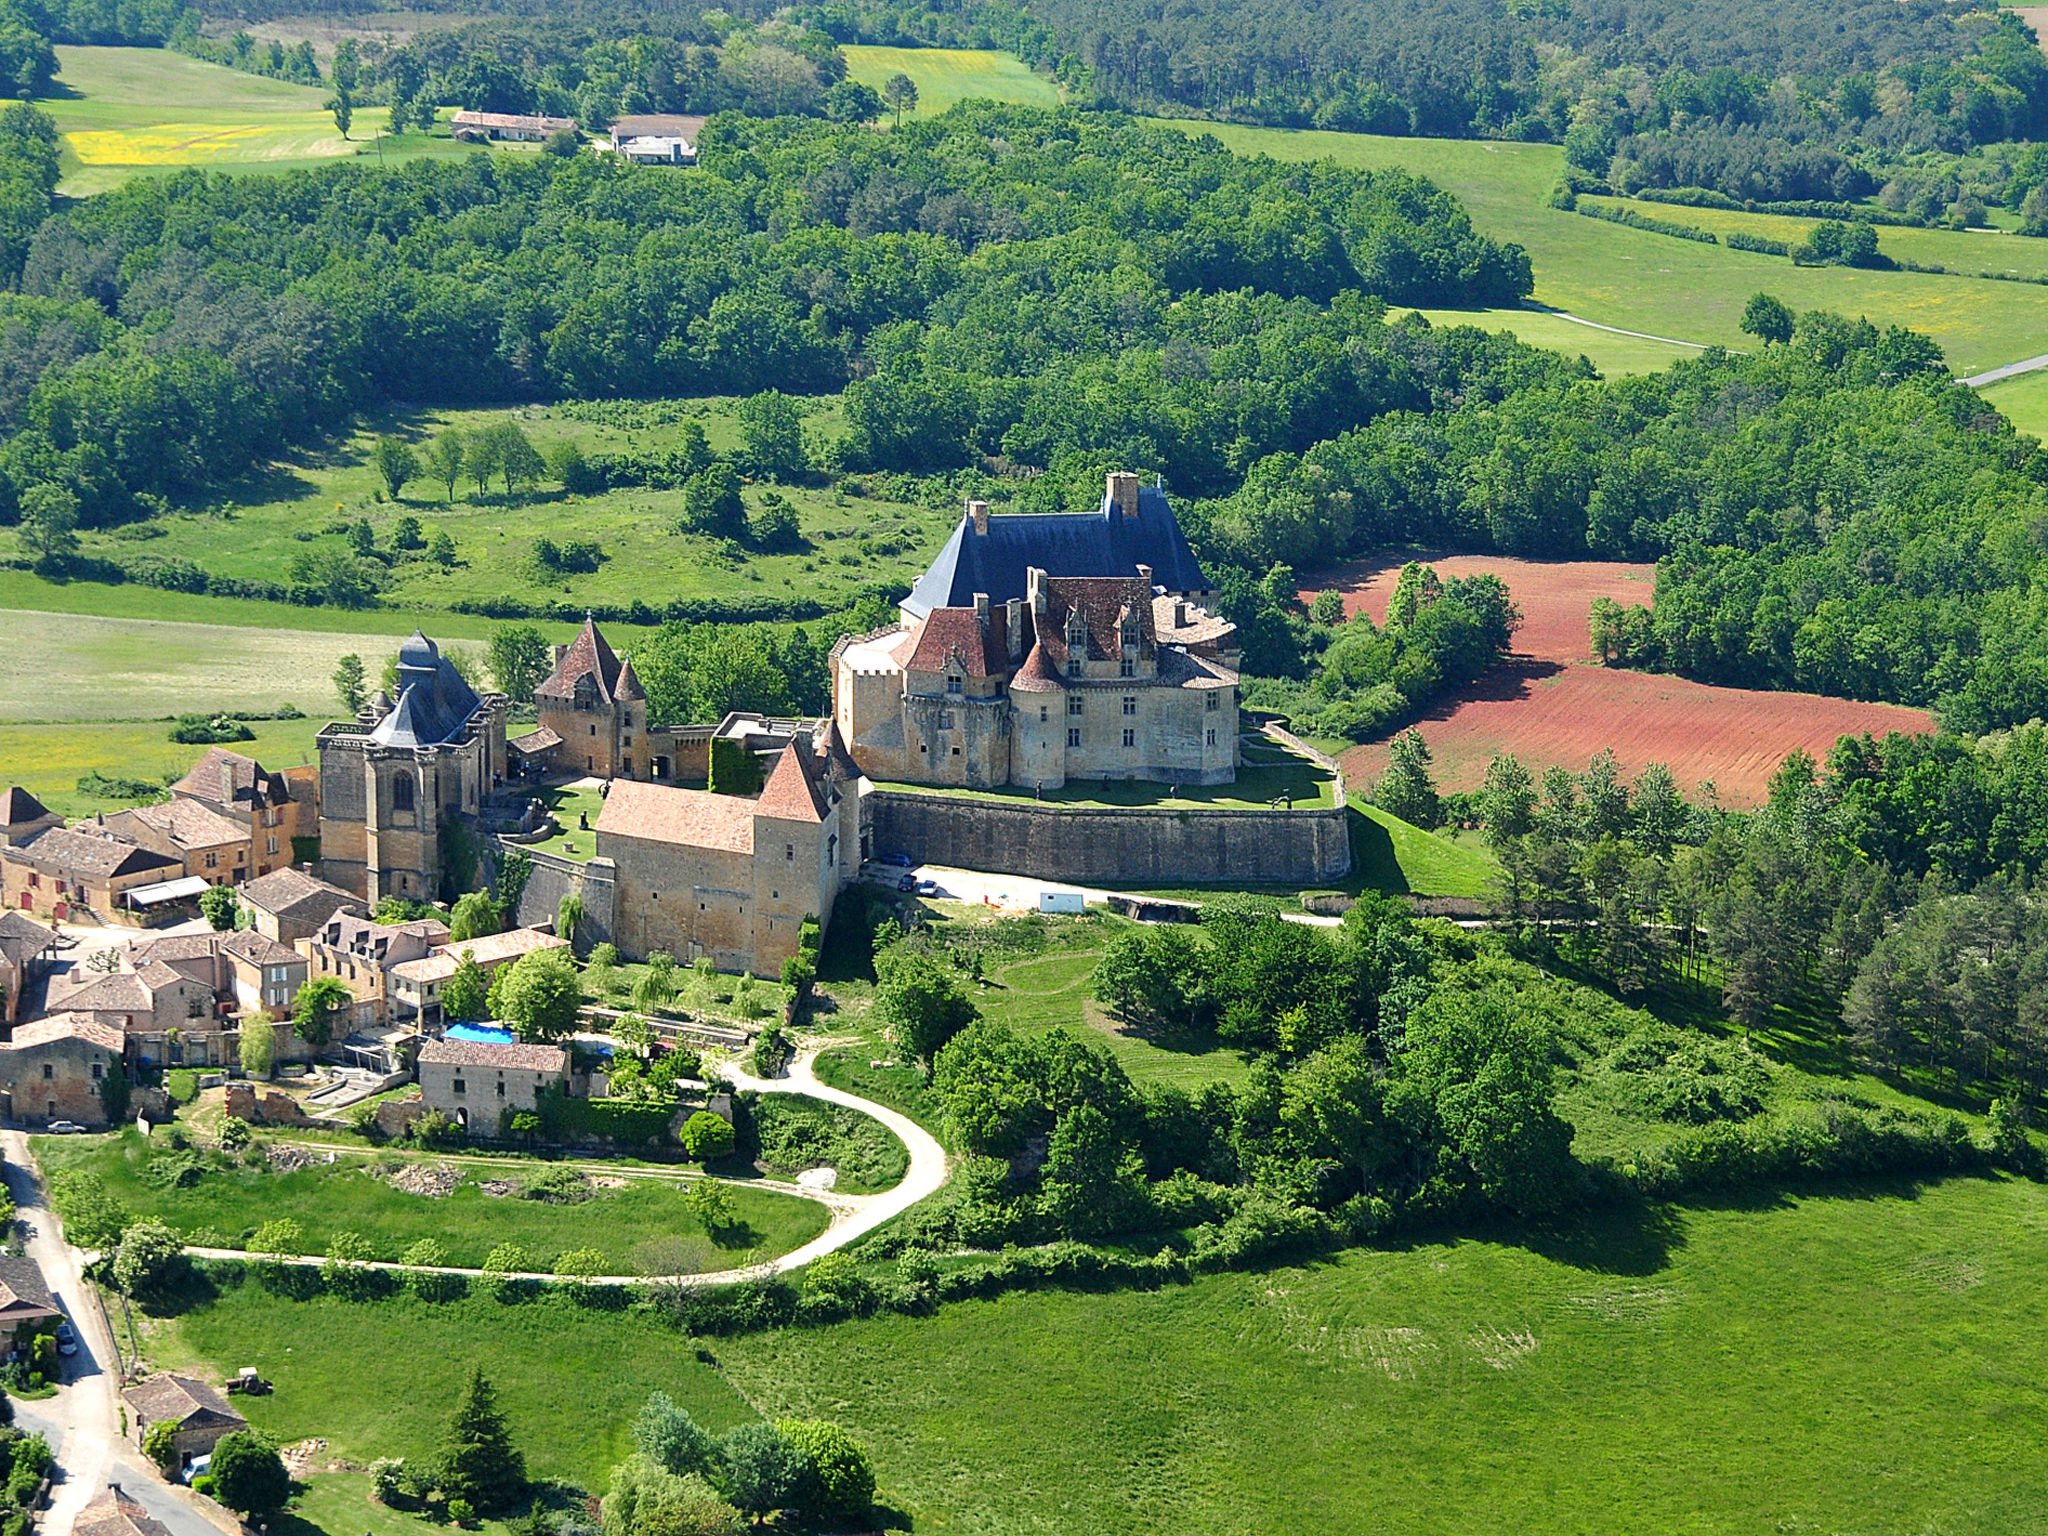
[1552, 706]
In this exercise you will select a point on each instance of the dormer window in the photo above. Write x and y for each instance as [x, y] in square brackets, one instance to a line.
[1073, 666]
[953, 684]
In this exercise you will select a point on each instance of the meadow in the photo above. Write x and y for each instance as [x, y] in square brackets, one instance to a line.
[1610, 351]
[1826, 1361]
[944, 76]
[2022, 400]
[641, 1228]
[49, 760]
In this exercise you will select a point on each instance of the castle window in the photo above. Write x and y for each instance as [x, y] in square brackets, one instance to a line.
[458, 1086]
[945, 719]
[48, 1072]
[1211, 741]
[789, 852]
[501, 1088]
[1074, 736]
[1044, 714]
[1075, 704]
[593, 730]
[1130, 704]
[401, 792]
[1127, 668]
[1073, 666]
[1130, 737]
[1212, 700]
[953, 685]
[99, 1070]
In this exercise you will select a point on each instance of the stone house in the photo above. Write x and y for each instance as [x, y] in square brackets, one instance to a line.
[22, 816]
[245, 970]
[63, 868]
[391, 779]
[167, 1017]
[518, 127]
[414, 986]
[729, 877]
[26, 1305]
[362, 954]
[476, 1082]
[270, 808]
[290, 904]
[113, 1513]
[199, 1412]
[206, 844]
[25, 945]
[57, 1069]
[593, 720]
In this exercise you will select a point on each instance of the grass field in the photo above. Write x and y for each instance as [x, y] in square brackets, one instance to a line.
[1389, 854]
[1862, 1362]
[49, 760]
[2023, 401]
[636, 1227]
[1667, 287]
[1614, 355]
[946, 75]
[129, 111]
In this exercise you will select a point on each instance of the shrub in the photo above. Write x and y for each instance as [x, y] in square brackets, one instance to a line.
[182, 1086]
[248, 1475]
[707, 1137]
[837, 1478]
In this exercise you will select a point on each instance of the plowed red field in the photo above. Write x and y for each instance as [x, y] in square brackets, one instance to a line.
[1552, 705]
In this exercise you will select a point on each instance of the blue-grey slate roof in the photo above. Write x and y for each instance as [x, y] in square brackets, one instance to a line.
[1102, 543]
[434, 703]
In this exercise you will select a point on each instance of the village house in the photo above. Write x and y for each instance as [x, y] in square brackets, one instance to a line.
[362, 955]
[518, 127]
[404, 768]
[113, 1513]
[200, 1414]
[57, 1069]
[728, 876]
[25, 947]
[247, 972]
[270, 808]
[166, 1017]
[289, 904]
[657, 138]
[415, 985]
[1047, 647]
[206, 844]
[477, 1082]
[26, 1306]
[63, 868]
[22, 816]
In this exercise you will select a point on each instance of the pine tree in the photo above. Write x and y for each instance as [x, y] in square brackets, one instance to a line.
[479, 1462]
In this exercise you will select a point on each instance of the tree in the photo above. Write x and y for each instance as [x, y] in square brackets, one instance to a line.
[712, 503]
[667, 1436]
[482, 457]
[248, 1474]
[1093, 1181]
[712, 1204]
[655, 987]
[563, 144]
[1154, 974]
[348, 683]
[900, 91]
[343, 106]
[772, 434]
[396, 463]
[706, 1137]
[446, 456]
[1507, 802]
[761, 1471]
[466, 995]
[1406, 789]
[221, 907]
[92, 1218]
[539, 995]
[479, 1461]
[473, 916]
[569, 914]
[441, 549]
[520, 658]
[148, 1254]
[257, 1049]
[848, 101]
[600, 975]
[775, 526]
[49, 523]
[838, 1478]
[160, 1444]
[579, 1263]
[408, 534]
[1768, 319]
[280, 1237]
[322, 1003]
[925, 1004]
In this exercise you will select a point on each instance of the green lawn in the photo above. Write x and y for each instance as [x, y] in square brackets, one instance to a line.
[1389, 854]
[1612, 354]
[49, 760]
[2023, 401]
[569, 803]
[1866, 1363]
[1667, 287]
[946, 75]
[640, 1228]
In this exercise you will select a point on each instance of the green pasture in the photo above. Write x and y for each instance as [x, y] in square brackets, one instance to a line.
[1864, 1362]
[129, 111]
[641, 1228]
[1389, 854]
[2022, 400]
[946, 75]
[49, 760]
[1664, 286]
[1609, 351]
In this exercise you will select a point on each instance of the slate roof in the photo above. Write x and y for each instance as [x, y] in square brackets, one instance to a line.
[494, 1053]
[1099, 543]
[434, 703]
[17, 805]
[178, 1399]
[229, 779]
[589, 655]
[24, 1294]
[374, 941]
[292, 892]
[113, 1513]
[187, 823]
[694, 818]
[66, 1026]
[82, 853]
[22, 938]
[790, 793]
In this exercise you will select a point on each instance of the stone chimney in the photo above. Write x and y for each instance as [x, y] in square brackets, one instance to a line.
[1123, 492]
[981, 611]
[1180, 614]
[1034, 591]
[1013, 629]
[978, 510]
[1145, 578]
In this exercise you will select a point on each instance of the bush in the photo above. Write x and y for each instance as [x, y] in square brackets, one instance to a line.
[207, 730]
[707, 1137]
[182, 1086]
[838, 1478]
[248, 1475]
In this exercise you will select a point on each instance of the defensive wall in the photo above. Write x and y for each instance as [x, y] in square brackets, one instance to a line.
[1149, 845]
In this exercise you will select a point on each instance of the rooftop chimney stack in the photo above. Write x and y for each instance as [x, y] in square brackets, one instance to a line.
[981, 611]
[978, 510]
[1034, 591]
[1145, 578]
[1013, 629]
[1123, 491]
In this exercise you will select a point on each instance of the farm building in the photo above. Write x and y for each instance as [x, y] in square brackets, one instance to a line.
[475, 1082]
[199, 1412]
[57, 1069]
[517, 127]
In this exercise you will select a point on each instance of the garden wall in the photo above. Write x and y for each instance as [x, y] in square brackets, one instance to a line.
[553, 878]
[1126, 845]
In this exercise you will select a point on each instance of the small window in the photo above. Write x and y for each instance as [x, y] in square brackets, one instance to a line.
[48, 1073]
[1130, 737]
[1073, 666]
[789, 853]
[459, 1086]
[945, 719]
[1044, 714]
[1127, 668]
[1214, 699]
[1211, 733]
[953, 685]
[1073, 736]
[99, 1070]
[956, 751]
[1076, 704]
[401, 792]
[501, 1088]
[593, 730]
[212, 860]
[1130, 704]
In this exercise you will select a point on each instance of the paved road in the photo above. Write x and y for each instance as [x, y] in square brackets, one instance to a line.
[2010, 370]
[83, 1420]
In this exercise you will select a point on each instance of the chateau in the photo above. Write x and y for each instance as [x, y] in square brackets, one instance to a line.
[1047, 647]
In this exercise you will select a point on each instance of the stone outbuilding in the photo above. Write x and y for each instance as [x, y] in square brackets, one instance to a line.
[476, 1082]
[199, 1412]
[414, 986]
[26, 1305]
[113, 1513]
[64, 868]
[291, 904]
[58, 1068]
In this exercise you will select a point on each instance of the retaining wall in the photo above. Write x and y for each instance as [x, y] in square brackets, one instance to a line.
[1119, 844]
[553, 878]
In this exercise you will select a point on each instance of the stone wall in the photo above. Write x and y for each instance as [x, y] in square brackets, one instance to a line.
[554, 877]
[1134, 845]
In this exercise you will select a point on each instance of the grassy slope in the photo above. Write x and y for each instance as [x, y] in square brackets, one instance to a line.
[49, 760]
[2023, 400]
[1808, 1364]
[1612, 354]
[946, 75]
[1667, 287]
[468, 1223]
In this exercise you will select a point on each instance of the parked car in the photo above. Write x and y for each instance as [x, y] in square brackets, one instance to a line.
[67, 1339]
[901, 860]
[927, 887]
[907, 883]
[66, 1128]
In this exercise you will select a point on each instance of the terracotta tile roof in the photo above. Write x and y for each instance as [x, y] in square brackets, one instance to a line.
[1102, 602]
[1200, 626]
[467, 119]
[17, 805]
[494, 1053]
[22, 938]
[628, 687]
[81, 853]
[588, 656]
[693, 818]
[375, 941]
[542, 740]
[178, 1399]
[113, 1513]
[789, 794]
[186, 823]
[642, 125]
[24, 1294]
[293, 892]
[230, 779]
[66, 1026]
[127, 992]
[953, 636]
[1037, 675]
[491, 949]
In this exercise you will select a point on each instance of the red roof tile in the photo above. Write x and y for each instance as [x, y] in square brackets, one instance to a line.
[694, 818]
[789, 794]
[588, 656]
